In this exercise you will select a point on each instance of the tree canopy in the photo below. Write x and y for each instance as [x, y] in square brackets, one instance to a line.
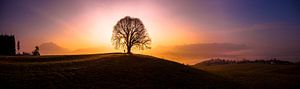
[130, 32]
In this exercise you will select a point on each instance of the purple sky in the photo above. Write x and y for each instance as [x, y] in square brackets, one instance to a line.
[270, 27]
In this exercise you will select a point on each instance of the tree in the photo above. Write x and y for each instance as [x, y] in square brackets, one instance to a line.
[18, 47]
[7, 45]
[36, 52]
[130, 32]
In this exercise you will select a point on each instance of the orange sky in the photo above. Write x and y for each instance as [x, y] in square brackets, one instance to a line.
[182, 29]
[93, 27]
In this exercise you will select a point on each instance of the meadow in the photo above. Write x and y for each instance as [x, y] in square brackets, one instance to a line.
[118, 70]
[257, 75]
[111, 70]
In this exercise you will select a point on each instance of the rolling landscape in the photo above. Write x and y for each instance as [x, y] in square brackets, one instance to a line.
[112, 70]
[119, 70]
[149, 44]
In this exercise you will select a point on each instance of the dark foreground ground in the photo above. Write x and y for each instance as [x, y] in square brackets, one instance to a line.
[258, 76]
[105, 71]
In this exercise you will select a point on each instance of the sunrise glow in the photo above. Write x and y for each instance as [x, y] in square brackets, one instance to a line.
[93, 26]
[149, 44]
[176, 29]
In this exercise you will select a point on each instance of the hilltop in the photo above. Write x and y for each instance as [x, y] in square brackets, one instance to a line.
[112, 70]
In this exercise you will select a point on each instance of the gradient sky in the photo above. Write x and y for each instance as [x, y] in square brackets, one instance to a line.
[266, 27]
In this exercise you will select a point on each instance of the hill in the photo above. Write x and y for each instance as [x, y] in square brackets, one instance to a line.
[258, 75]
[111, 70]
[52, 48]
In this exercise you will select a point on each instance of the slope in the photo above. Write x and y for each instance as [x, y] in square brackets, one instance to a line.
[111, 70]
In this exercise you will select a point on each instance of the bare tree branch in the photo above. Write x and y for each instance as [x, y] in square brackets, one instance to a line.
[130, 32]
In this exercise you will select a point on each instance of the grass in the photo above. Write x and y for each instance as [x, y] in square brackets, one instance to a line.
[112, 70]
[258, 76]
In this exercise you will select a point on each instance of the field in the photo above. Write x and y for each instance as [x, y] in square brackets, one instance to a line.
[112, 70]
[116, 70]
[258, 76]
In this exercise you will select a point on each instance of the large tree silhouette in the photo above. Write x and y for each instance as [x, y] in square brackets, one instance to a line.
[130, 32]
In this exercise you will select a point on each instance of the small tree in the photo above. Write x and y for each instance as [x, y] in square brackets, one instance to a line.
[36, 52]
[130, 32]
[18, 47]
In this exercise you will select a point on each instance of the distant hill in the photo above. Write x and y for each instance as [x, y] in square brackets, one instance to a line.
[218, 61]
[101, 49]
[107, 71]
[52, 48]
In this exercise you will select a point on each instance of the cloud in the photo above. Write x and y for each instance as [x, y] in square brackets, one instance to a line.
[91, 50]
[210, 48]
[205, 50]
[271, 39]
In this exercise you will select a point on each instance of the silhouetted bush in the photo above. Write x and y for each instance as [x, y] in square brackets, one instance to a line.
[25, 54]
[36, 52]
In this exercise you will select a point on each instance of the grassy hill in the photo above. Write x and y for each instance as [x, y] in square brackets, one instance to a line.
[104, 71]
[258, 76]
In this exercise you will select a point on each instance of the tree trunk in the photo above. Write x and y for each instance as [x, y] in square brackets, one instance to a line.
[129, 50]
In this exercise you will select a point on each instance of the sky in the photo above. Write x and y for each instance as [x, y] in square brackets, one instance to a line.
[187, 30]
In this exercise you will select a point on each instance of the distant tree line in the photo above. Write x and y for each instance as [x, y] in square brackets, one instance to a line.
[218, 61]
[7, 45]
